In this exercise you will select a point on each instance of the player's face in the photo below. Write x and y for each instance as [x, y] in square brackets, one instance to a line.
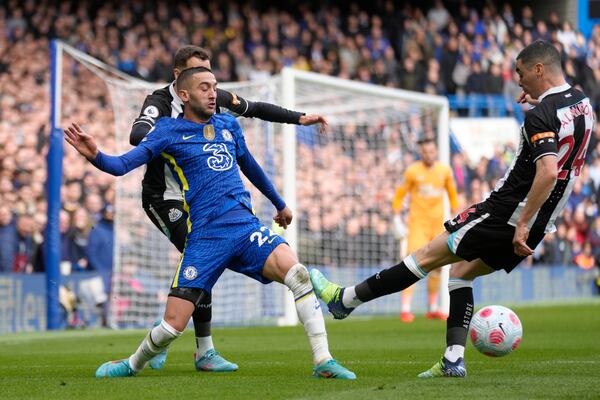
[529, 78]
[201, 95]
[428, 153]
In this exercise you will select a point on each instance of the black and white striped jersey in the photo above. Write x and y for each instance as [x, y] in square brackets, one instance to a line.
[158, 183]
[560, 125]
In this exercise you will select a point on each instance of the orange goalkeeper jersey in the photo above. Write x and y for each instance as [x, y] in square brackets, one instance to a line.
[426, 187]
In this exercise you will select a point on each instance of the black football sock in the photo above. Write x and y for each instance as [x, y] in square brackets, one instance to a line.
[391, 280]
[461, 311]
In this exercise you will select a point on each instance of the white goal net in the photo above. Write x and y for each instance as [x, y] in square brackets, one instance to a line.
[339, 183]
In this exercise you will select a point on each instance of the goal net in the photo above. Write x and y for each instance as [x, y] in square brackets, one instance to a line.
[339, 184]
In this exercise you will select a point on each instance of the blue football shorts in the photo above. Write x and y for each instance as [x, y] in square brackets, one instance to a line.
[240, 244]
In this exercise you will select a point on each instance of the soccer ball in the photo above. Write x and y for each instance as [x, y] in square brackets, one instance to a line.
[495, 331]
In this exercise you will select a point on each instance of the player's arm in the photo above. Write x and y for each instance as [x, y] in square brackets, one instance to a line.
[265, 111]
[546, 173]
[399, 227]
[451, 190]
[154, 108]
[401, 191]
[259, 179]
[114, 165]
[542, 140]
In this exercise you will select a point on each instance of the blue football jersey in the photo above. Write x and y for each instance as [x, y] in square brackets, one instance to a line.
[203, 158]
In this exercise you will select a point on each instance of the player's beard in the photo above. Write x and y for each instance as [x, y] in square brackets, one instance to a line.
[202, 113]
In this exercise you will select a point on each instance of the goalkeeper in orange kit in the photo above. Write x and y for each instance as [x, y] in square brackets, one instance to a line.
[425, 181]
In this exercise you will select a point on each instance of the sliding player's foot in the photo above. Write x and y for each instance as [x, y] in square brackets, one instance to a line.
[212, 361]
[330, 293]
[446, 369]
[115, 369]
[331, 369]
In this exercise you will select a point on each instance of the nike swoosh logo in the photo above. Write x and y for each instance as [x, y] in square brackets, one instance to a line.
[271, 240]
[188, 137]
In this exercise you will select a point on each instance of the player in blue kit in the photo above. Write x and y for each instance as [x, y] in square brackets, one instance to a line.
[203, 150]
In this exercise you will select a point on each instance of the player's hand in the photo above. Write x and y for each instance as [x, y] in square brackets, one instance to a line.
[520, 241]
[81, 141]
[283, 218]
[526, 98]
[311, 119]
[400, 230]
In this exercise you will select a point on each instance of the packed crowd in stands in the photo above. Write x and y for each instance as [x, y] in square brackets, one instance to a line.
[405, 46]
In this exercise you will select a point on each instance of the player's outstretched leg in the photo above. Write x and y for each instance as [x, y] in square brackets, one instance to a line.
[341, 301]
[157, 341]
[331, 293]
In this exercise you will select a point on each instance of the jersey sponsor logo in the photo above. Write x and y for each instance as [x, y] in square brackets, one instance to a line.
[227, 135]
[187, 137]
[151, 111]
[174, 214]
[209, 132]
[190, 273]
[220, 160]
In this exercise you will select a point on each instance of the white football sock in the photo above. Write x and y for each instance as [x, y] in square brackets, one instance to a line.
[309, 311]
[454, 352]
[203, 344]
[349, 298]
[158, 340]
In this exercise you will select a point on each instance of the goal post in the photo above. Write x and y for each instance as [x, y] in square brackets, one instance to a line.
[54, 182]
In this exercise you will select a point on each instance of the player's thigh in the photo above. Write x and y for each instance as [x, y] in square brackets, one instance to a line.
[435, 254]
[260, 253]
[279, 263]
[205, 257]
[469, 270]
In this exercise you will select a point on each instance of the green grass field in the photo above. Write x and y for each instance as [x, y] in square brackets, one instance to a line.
[558, 358]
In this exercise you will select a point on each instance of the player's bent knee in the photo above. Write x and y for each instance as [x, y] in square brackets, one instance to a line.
[195, 295]
[298, 279]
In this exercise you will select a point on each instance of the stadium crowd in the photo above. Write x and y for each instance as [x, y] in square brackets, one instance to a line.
[427, 50]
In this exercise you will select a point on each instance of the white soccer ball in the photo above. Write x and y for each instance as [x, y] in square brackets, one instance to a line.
[495, 331]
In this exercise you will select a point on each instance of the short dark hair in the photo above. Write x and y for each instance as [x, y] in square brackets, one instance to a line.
[426, 139]
[184, 53]
[542, 52]
[187, 73]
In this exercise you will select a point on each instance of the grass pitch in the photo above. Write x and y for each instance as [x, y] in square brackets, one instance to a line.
[558, 358]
